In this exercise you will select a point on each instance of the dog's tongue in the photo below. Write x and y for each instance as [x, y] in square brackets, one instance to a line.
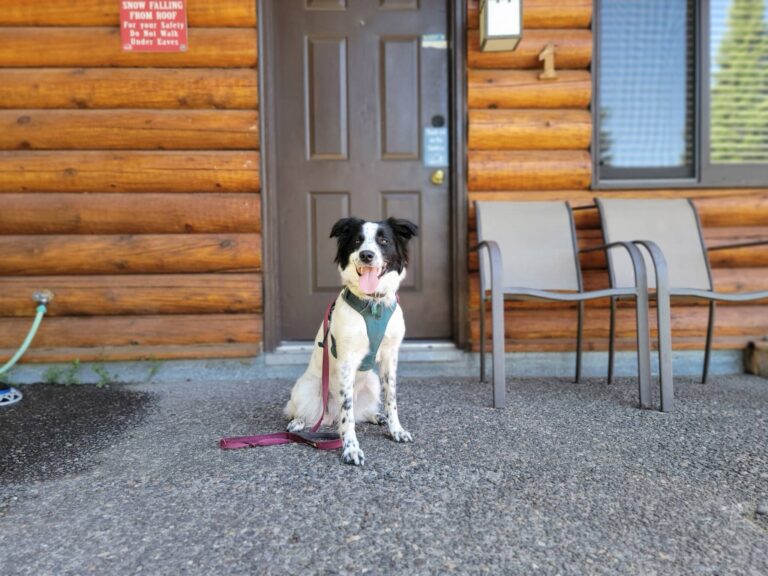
[369, 279]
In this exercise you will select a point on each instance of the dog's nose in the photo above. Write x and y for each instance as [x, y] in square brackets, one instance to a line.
[366, 256]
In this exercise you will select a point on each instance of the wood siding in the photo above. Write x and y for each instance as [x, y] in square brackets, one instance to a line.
[129, 184]
[529, 139]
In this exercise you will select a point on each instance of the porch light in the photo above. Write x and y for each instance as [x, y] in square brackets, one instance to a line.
[501, 24]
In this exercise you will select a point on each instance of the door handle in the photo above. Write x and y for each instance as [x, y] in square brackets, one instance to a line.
[437, 177]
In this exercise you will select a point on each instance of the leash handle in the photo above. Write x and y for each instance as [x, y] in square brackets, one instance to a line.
[320, 441]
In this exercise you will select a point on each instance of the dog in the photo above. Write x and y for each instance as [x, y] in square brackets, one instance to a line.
[372, 259]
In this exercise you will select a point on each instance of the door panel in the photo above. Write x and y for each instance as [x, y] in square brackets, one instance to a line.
[356, 85]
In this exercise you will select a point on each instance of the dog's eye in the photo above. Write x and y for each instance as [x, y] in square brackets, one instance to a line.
[383, 241]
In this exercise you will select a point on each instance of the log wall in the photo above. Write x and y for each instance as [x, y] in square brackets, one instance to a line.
[129, 184]
[529, 139]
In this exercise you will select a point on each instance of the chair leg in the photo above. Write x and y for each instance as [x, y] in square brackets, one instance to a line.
[497, 327]
[708, 345]
[483, 374]
[579, 341]
[664, 325]
[612, 341]
[643, 349]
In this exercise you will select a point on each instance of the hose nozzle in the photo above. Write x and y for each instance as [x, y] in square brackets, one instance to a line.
[43, 296]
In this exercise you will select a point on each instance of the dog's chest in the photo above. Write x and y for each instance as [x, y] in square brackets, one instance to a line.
[376, 316]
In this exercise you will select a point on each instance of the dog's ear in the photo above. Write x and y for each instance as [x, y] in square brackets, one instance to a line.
[403, 228]
[344, 226]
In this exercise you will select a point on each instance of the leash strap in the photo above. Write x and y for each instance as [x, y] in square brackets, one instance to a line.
[319, 440]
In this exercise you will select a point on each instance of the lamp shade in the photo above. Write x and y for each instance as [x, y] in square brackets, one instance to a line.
[501, 24]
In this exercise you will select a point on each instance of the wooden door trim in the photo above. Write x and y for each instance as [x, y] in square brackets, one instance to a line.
[457, 28]
[457, 10]
[269, 245]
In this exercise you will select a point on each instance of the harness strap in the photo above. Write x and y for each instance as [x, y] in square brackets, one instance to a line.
[319, 440]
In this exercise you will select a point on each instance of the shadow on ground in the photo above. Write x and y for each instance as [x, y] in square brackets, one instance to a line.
[55, 430]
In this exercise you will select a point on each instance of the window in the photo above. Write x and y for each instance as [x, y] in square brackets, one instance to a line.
[681, 92]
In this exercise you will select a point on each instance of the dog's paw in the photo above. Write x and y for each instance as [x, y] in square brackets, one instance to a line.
[400, 435]
[353, 455]
[295, 425]
[379, 419]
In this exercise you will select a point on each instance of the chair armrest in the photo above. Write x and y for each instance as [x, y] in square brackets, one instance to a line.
[659, 264]
[638, 262]
[497, 268]
[739, 245]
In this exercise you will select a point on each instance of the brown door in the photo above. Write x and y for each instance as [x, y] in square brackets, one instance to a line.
[361, 128]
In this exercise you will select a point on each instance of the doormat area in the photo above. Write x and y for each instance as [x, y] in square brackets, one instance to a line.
[59, 430]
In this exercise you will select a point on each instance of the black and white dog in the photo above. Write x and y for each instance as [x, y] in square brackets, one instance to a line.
[366, 325]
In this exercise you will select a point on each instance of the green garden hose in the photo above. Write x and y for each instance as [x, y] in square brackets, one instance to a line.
[41, 310]
[8, 394]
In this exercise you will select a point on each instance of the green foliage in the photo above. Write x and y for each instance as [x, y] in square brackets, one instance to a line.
[5, 380]
[105, 377]
[63, 375]
[739, 115]
[154, 368]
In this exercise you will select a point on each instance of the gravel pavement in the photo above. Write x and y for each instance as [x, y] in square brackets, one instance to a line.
[570, 479]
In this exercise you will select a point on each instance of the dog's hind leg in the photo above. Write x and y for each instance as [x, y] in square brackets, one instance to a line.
[296, 425]
[367, 397]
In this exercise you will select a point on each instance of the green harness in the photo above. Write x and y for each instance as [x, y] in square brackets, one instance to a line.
[376, 316]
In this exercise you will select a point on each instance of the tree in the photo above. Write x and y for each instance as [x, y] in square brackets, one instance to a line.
[739, 97]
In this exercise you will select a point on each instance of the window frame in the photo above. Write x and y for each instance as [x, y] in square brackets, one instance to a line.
[706, 174]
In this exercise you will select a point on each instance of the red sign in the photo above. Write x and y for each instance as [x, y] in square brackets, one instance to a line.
[153, 25]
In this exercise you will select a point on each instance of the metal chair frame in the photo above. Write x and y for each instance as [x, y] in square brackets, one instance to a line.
[500, 293]
[663, 295]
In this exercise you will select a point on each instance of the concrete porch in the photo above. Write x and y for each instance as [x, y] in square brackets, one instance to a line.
[571, 479]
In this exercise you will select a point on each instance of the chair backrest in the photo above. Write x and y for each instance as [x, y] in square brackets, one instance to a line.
[672, 224]
[537, 243]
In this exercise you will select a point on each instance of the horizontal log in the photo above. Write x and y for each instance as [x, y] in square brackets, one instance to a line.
[210, 88]
[203, 171]
[687, 321]
[545, 13]
[523, 89]
[573, 50]
[134, 295]
[234, 13]
[717, 207]
[135, 330]
[516, 169]
[150, 254]
[66, 213]
[749, 257]
[150, 354]
[96, 47]
[726, 280]
[129, 129]
[622, 344]
[529, 129]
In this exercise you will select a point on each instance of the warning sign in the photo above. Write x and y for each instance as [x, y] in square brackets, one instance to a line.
[153, 25]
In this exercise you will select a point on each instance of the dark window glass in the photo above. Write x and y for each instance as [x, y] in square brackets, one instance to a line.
[646, 89]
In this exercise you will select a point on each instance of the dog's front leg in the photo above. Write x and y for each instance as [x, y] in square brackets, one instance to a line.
[345, 376]
[389, 380]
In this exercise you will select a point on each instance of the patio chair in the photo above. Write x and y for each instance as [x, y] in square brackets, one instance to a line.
[528, 251]
[670, 232]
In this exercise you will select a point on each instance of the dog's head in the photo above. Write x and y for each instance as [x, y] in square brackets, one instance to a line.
[372, 256]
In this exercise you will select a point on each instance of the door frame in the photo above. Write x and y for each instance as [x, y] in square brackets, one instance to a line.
[271, 337]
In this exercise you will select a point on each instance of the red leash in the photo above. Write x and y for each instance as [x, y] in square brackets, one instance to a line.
[319, 440]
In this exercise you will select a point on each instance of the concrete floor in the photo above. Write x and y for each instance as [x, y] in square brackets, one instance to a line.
[571, 479]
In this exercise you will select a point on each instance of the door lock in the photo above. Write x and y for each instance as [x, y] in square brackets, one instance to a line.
[438, 177]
